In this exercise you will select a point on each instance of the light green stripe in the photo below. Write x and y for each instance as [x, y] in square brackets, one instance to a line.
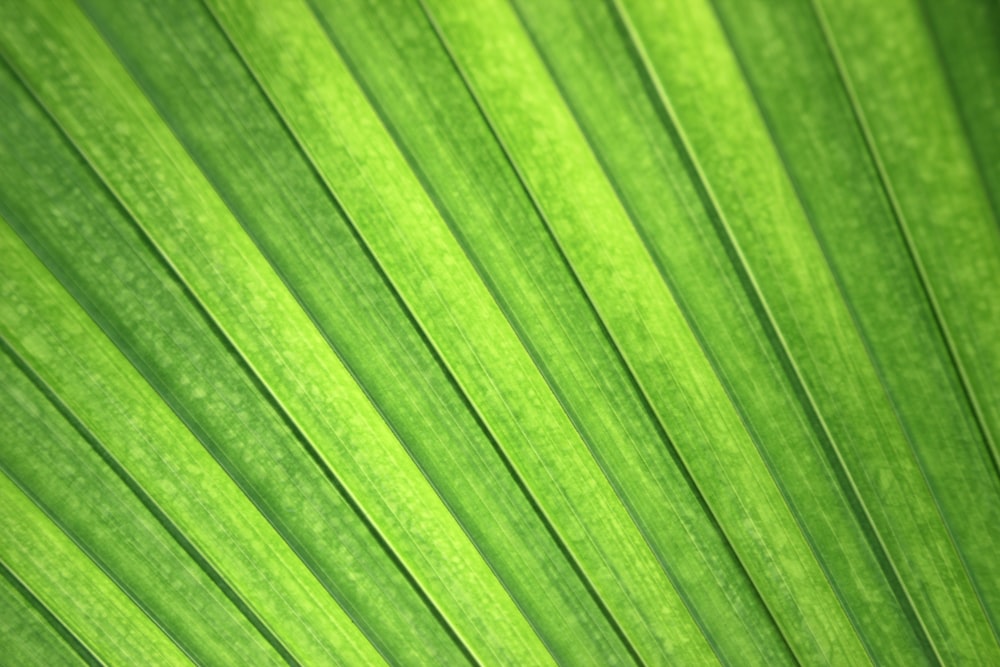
[615, 268]
[65, 348]
[45, 456]
[110, 268]
[196, 232]
[27, 637]
[775, 242]
[415, 247]
[44, 559]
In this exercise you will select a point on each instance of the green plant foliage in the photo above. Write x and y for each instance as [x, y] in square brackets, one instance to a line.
[502, 332]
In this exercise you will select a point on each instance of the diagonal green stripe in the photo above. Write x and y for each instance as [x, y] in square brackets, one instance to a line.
[80, 493]
[92, 607]
[283, 207]
[800, 293]
[900, 93]
[444, 291]
[844, 198]
[157, 326]
[597, 236]
[422, 100]
[645, 161]
[85, 370]
[31, 634]
[188, 223]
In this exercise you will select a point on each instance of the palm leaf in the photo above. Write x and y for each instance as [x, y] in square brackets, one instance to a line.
[427, 332]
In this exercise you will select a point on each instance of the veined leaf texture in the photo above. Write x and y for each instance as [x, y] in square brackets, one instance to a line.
[500, 332]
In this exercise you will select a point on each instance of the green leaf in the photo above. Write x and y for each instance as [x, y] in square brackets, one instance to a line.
[499, 332]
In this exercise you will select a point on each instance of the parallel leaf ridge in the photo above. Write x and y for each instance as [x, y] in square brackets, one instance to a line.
[427, 332]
